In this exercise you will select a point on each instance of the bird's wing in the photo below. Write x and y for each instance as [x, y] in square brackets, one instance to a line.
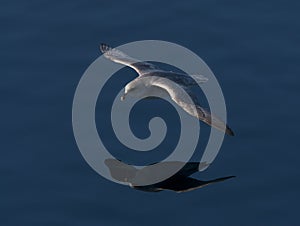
[180, 78]
[184, 184]
[179, 95]
[118, 56]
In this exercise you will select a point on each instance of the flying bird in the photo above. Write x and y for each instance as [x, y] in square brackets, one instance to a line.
[179, 182]
[153, 81]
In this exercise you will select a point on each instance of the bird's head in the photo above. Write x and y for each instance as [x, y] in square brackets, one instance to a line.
[135, 88]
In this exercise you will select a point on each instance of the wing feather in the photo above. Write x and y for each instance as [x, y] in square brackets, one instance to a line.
[190, 105]
[118, 56]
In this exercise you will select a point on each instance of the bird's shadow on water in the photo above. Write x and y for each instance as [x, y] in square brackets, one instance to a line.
[178, 181]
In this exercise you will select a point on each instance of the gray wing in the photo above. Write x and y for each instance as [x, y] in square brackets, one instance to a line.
[179, 78]
[122, 58]
[179, 95]
[148, 69]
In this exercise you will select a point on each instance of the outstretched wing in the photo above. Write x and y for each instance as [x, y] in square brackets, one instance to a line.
[148, 69]
[179, 78]
[179, 95]
[122, 58]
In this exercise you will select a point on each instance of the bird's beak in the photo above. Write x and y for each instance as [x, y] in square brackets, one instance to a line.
[123, 97]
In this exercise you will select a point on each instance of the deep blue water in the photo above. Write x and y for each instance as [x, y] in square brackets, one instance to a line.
[252, 47]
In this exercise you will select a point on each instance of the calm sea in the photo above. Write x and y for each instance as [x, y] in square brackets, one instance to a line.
[251, 46]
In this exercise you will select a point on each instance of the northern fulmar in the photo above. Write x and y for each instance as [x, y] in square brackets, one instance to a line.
[154, 81]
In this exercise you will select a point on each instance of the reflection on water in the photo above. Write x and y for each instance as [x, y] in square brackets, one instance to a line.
[179, 182]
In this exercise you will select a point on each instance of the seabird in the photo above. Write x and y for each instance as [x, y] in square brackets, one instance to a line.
[153, 81]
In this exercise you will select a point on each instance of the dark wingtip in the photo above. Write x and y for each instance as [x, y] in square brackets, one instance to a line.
[104, 47]
[229, 131]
